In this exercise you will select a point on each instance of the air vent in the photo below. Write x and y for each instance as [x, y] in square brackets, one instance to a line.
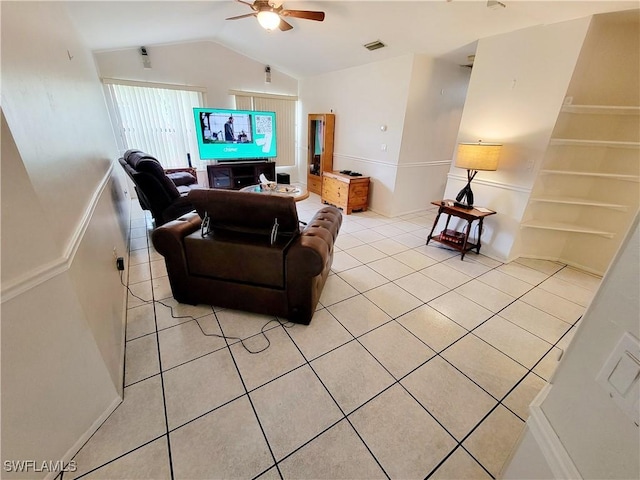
[374, 45]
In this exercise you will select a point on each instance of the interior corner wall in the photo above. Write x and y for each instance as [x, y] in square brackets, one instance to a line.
[63, 212]
[417, 99]
[363, 98]
[516, 90]
[435, 101]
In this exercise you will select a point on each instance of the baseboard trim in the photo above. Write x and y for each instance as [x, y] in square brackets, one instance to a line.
[43, 273]
[568, 263]
[84, 438]
[556, 456]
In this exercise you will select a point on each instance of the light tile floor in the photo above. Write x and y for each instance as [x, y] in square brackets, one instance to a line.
[416, 364]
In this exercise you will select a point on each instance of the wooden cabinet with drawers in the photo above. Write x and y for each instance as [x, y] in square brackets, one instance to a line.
[344, 191]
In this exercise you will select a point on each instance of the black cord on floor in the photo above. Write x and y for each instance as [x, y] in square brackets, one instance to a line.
[224, 337]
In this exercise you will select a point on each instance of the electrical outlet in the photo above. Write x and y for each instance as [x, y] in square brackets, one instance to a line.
[115, 252]
[120, 263]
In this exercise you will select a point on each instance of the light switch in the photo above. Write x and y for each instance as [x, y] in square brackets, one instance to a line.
[620, 376]
[625, 373]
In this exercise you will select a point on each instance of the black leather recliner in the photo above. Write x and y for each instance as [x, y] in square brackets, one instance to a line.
[162, 192]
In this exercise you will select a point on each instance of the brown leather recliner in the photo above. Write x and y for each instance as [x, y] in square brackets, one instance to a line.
[241, 261]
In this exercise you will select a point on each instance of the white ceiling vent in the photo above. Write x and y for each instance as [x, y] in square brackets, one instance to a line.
[374, 45]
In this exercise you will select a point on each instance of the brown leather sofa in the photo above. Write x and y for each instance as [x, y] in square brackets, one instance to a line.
[240, 261]
[162, 192]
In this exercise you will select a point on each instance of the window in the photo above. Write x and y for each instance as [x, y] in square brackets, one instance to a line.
[285, 108]
[157, 119]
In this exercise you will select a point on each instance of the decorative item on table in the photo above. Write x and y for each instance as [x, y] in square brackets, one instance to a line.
[452, 236]
[266, 184]
[287, 189]
[475, 157]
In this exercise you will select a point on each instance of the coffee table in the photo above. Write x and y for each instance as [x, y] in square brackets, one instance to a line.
[298, 193]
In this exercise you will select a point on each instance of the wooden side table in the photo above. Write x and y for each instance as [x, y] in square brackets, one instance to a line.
[458, 240]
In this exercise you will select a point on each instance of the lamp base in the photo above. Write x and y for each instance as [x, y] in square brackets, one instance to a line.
[463, 205]
[466, 195]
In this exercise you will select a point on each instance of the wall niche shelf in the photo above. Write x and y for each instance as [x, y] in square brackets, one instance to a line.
[589, 176]
[566, 227]
[601, 109]
[579, 201]
[612, 176]
[593, 143]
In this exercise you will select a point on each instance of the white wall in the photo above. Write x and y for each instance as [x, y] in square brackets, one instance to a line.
[436, 97]
[602, 441]
[63, 213]
[595, 436]
[363, 99]
[404, 95]
[517, 87]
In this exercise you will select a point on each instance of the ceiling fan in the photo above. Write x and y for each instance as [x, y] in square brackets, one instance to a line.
[270, 14]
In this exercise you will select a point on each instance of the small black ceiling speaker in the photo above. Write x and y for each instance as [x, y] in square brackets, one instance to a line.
[146, 61]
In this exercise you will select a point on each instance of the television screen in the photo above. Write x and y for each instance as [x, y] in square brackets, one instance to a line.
[235, 134]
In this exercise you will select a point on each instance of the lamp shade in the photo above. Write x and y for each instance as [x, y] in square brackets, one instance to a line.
[268, 19]
[478, 156]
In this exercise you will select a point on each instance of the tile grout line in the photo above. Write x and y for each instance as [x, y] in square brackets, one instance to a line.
[164, 398]
[244, 386]
[499, 401]
[345, 416]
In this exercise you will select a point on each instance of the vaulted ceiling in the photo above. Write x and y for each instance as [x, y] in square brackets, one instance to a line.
[438, 28]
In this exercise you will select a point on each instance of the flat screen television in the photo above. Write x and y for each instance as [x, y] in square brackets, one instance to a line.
[227, 135]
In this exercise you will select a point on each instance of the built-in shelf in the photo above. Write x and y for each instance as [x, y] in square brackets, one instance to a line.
[566, 227]
[612, 176]
[593, 143]
[578, 201]
[601, 109]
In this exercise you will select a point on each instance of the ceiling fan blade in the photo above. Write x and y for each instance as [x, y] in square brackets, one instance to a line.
[284, 26]
[306, 14]
[243, 16]
[246, 3]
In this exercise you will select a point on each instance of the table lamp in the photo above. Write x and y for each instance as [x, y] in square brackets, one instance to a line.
[475, 157]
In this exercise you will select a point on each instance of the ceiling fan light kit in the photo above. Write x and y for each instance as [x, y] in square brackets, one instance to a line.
[271, 16]
[269, 20]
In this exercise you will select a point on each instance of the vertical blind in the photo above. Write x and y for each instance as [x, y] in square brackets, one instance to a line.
[285, 110]
[158, 121]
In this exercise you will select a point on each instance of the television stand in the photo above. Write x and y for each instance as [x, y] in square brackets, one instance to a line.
[234, 175]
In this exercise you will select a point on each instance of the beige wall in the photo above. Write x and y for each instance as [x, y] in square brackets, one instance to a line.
[517, 86]
[63, 213]
[607, 74]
